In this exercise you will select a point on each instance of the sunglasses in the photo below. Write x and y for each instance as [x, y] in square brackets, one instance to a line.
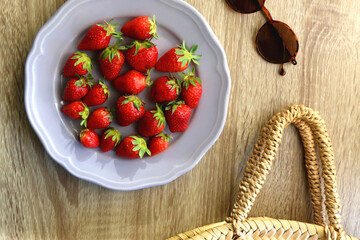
[276, 42]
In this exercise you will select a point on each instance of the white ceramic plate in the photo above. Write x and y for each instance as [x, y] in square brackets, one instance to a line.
[44, 84]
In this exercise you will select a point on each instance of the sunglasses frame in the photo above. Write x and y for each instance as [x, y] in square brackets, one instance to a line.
[261, 7]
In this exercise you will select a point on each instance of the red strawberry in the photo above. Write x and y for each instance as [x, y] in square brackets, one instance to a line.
[191, 88]
[129, 109]
[110, 139]
[89, 138]
[177, 59]
[165, 89]
[132, 147]
[97, 95]
[76, 110]
[78, 64]
[100, 118]
[142, 56]
[158, 143]
[132, 82]
[153, 122]
[177, 116]
[140, 28]
[111, 61]
[76, 89]
[98, 36]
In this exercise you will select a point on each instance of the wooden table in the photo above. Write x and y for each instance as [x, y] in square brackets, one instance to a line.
[41, 200]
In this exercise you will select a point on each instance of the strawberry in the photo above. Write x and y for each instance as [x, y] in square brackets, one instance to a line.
[129, 109]
[177, 116]
[110, 139]
[158, 143]
[100, 118]
[111, 61]
[97, 95]
[191, 88]
[141, 28]
[132, 147]
[76, 110]
[89, 138]
[132, 82]
[165, 89]
[98, 36]
[153, 122]
[142, 56]
[76, 88]
[78, 64]
[177, 59]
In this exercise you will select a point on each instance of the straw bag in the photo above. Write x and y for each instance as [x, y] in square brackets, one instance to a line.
[238, 226]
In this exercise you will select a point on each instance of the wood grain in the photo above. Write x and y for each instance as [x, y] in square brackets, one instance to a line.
[40, 200]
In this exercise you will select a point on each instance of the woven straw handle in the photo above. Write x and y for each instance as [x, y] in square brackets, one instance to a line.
[313, 171]
[309, 123]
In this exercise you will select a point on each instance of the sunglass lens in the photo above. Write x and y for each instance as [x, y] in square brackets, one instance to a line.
[277, 43]
[246, 6]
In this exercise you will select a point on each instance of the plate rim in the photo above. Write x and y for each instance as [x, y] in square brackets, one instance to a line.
[211, 139]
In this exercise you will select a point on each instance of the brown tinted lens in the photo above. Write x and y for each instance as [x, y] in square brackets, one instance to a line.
[246, 6]
[276, 42]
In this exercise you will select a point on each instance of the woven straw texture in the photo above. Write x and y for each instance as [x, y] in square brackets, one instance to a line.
[321, 178]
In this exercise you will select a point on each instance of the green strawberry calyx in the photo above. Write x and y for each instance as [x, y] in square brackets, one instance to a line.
[186, 55]
[153, 28]
[82, 58]
[109, 115]
[173, 106]
[189, 78]
[114, 134]
[106, 89]
[140, 145]
[164, 136]
[111, 52]
[83, 81]
[84, 115]
[159, 115]
[110, 30]
[175, 83]
[135, 100]
[83, 133]
[147, 79]
[138, 45]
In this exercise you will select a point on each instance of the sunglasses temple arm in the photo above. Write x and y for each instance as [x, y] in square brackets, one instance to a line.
[267, 13]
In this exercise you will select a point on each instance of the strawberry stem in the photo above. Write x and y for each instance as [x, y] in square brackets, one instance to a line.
[147, 79]
[187, 56]
[112, 51]
[140, 145]
[159, 115]
[174, 82]
[138, 45]
[173, 105]
[115, 134]
[106, 89]
[84, 115]
[83, 81]
[153, 28]
[109, 115]
[135, 100]
[189, 78]
[110, 30]
[83, 58]
[164, 136]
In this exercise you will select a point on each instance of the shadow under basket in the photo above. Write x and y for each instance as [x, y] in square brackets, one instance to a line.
[313, 132]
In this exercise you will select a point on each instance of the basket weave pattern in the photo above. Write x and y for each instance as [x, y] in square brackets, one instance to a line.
[313, 132]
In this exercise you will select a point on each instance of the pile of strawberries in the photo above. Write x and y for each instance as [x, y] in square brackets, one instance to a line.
[174, 96]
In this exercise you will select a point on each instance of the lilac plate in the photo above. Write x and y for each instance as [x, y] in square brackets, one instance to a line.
[44, 84]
